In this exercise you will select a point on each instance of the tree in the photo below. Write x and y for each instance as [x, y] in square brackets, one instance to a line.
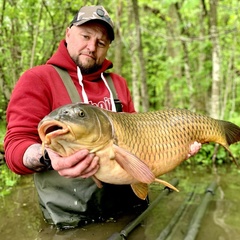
[176, 54]
[139, 48]
[216, 78]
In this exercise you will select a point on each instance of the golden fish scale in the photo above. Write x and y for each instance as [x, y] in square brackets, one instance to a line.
[164, 136]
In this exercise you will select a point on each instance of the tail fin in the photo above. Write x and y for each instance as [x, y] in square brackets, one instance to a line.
[232, 132]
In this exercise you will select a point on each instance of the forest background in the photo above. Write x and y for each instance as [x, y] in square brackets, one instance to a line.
[173, 53]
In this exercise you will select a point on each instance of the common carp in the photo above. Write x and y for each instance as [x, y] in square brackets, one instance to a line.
[134, 148]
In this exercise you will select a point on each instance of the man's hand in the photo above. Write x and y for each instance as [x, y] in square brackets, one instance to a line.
[80, 164]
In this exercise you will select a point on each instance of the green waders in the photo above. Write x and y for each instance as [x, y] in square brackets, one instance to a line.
[73, 202]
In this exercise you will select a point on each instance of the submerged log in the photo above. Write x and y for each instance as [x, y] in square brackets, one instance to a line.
[199, 213]
[125, 232]
[167, 230]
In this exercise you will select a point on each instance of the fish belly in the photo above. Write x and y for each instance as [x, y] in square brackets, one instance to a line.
[110, 171]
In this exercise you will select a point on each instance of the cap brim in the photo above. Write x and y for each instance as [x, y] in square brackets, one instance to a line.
[106, 24]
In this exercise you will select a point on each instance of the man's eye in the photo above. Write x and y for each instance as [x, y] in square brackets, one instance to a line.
[101, 44]
[85, 36]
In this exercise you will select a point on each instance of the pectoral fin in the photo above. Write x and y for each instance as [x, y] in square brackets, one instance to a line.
[133, 165]
[140, 189]
[97, 181]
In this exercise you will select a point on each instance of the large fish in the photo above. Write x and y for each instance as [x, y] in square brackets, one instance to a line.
[134, 148]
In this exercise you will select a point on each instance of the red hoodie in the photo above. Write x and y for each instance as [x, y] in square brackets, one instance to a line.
[40, 90]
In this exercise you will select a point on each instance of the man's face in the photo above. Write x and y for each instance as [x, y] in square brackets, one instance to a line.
[87, 45]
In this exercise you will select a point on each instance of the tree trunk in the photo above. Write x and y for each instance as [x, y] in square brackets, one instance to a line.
[143, 78]
[35, 38]
[117, 42]
[186, 62]
[134, 62]
[172, 52]
[216, 78]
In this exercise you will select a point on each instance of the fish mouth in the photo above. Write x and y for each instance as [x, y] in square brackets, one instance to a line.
[52, 129]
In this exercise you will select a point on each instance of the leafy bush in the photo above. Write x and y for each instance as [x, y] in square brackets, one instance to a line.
[7, 180]
[205, 155]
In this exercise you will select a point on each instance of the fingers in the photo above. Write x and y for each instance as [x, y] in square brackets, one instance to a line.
[84, 169]
[194, 149]
[91, 169]
[81, 164]
[60, 163]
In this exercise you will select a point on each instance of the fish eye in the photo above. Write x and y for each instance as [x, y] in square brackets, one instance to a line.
[81, 113]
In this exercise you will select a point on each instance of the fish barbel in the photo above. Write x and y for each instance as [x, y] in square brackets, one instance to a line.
[134, 148]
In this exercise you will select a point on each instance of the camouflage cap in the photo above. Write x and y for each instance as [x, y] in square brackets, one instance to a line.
[90, 13]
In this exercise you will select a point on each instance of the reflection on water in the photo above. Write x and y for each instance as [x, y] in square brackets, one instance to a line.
[21, 219]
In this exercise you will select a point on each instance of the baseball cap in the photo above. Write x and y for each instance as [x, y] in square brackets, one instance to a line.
[90, 13]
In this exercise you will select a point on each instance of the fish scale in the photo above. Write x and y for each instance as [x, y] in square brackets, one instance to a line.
[168, 132]
[134, 148]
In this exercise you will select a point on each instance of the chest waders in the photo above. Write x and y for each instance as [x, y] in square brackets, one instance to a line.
[73, 202]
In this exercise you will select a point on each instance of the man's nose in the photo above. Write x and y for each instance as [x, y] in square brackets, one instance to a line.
[92, 45]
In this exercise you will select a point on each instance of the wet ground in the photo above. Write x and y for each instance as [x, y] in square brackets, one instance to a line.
[21, 219]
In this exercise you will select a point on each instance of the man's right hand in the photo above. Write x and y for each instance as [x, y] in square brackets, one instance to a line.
[80, 164]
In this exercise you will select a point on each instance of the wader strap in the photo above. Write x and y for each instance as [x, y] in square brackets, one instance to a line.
[111, 85]
[71, 89]
[114, 93]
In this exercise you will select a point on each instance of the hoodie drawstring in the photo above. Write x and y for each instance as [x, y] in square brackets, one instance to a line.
[80, 80]
[84, 94]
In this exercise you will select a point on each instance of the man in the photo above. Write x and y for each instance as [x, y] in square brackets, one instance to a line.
[68, 197]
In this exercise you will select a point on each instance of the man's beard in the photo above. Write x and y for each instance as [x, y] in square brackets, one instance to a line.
[87, 70]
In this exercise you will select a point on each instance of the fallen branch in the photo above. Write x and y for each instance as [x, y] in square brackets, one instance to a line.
[199, 213]
[124, 233]
[167, 230]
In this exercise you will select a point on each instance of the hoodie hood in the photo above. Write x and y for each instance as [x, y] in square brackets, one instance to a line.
[62, 59]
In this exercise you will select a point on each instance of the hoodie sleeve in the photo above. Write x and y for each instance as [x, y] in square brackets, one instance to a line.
[25, 109]
[34, 96]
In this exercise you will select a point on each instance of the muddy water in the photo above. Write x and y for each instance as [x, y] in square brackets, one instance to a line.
[21, 219]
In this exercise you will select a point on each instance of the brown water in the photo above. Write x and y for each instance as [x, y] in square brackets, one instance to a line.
[21, 219]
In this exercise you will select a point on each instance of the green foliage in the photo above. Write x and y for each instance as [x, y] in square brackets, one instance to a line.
[165, 28]
[3, 105]
[205, 155]
[7, 180]
[173, 31]
[2, 133]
